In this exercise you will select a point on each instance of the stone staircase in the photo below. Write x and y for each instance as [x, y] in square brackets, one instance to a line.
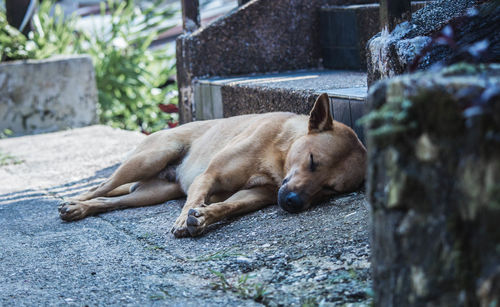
[317, 45]
[292, 92]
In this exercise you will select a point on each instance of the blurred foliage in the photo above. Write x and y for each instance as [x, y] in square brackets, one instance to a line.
[52, 33]
[128, 73]
[12, 42]
[6, 158]
[131, 77]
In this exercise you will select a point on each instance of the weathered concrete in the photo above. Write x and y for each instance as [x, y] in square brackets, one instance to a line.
[292, 92]
[433, 183]
[47, 95]
[129, 257]
[391, 54]
[261, 36]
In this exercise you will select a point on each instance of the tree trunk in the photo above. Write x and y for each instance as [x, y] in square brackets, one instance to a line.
[434, 186]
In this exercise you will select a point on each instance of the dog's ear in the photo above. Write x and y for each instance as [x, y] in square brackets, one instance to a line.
[320, 118]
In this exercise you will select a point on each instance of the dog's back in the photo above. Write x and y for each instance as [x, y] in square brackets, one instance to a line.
[259, 129]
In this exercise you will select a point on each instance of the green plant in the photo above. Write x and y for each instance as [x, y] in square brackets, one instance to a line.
[225, 253]
[154, 247]
[389, 120]
[12, 42]
[242, 287]
[129, 74]
[157, 297]
[6, 133]
[7, 159]
[131, 77]
[53, 33]
[309, 302]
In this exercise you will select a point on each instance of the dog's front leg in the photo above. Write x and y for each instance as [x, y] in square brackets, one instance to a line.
[199, 192]
[241, 202]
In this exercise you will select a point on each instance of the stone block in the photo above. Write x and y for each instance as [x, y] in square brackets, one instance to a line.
[357, 111]
[288, 92]
[341, 110]
[261, 36]
[392, 54]
[208, 101]
[345, 31]
[433, 183]
[47, 95]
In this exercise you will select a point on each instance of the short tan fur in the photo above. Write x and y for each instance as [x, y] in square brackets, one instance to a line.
[233, 166]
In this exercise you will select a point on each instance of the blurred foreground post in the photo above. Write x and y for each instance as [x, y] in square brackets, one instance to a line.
[433, 182]
[393, 12]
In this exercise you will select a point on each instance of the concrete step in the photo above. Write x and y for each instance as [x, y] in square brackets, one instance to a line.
[293, 92]
[345, 31]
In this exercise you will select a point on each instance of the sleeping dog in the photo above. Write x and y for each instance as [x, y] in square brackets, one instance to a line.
[233, 166]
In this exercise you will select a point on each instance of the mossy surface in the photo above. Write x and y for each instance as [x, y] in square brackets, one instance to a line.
[434, 185]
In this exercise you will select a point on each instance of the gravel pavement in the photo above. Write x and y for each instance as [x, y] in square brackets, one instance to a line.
[128, 257]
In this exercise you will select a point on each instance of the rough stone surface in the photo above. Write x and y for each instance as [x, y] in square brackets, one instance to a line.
[128, 257]
[392, 54]
[345, 31]
[292, 92]
[349, 2]
[261, 36]
[433, 184]
[47, 95]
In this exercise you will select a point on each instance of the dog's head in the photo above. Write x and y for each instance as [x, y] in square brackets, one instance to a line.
[328, 160]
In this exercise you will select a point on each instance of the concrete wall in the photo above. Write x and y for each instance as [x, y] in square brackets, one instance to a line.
[47, 95]
[261, 36]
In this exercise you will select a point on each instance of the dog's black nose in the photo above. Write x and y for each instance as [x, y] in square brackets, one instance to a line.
[290, 201]
[293, 201]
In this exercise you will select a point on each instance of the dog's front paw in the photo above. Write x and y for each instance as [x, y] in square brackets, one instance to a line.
[72, 211]
[180, 228]
[196, 222]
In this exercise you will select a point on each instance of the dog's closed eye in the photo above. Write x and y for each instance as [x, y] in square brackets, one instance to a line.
[312, 164]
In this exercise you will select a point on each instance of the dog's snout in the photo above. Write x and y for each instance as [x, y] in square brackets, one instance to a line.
[293, 201]
[290, 201]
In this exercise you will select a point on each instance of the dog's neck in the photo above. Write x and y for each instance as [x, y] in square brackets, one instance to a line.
[293, 128]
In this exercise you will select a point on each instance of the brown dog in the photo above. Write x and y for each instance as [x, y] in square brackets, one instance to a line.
[232, 166]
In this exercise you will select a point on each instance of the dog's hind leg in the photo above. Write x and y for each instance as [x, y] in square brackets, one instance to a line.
[146, 193]
[139, 167]
[121, 190]
[147, 160]
[241, 202]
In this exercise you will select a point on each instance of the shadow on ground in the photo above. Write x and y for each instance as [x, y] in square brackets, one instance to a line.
[63, 190]
[123, 257]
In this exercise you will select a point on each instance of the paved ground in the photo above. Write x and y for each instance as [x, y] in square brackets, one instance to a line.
[129, 257]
